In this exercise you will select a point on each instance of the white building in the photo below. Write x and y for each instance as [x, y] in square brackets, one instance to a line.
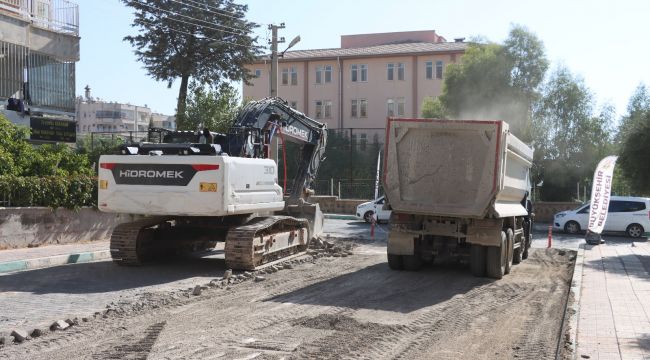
[94, 115]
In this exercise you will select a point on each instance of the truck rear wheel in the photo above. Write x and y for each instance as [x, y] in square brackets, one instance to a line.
[477, 260]
[510, 241]
[497, 257]
[524, 254]
[518, 254]
[412, 262]
[395, 262]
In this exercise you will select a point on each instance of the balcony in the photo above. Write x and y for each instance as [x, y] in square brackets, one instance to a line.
[60, 16]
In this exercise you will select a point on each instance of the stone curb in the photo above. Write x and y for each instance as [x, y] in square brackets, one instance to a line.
[50, 261]
[341, 217]
[576, 290]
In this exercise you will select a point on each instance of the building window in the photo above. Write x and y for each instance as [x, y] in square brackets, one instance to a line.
[258, 73]
[389, 71]
[328, 109]
[323, 74]
[395, 107]
[401, 105]
[428, 69]
[294, 76]
[438, 69]
[323, 109]
[285, 76]
[400, 71]
[359, 73]
[290, 73]
[359, 108]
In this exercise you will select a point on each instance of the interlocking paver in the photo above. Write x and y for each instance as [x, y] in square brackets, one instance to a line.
[615, 301]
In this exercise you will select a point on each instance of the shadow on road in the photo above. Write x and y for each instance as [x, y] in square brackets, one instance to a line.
[105, 276]
[378, 288]
[623, 264]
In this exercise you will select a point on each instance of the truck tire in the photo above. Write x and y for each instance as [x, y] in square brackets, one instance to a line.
[510, 241]
[496, 258]
[529, 238]
[395, 262]
[518, 254]
[412, 262]
[477, 259]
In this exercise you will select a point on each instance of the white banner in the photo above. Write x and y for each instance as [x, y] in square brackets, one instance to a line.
[600, 192]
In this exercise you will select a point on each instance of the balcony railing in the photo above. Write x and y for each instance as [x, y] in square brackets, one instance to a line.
[56, 15]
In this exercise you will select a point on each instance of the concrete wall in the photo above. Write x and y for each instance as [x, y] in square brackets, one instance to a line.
[33, 226]
[544, 211]
[332, 205]
[63, 47]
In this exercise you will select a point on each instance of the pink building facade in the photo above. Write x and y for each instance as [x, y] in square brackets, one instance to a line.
[359, 85]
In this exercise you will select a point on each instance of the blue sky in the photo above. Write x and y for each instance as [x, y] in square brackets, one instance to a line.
[604, 42]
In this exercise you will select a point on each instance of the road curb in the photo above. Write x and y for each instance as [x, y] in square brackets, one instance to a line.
[341, 217]
[50, 261]
[576, 290]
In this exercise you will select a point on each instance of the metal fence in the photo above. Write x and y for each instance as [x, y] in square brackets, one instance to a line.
[56, 15]
[348, 188]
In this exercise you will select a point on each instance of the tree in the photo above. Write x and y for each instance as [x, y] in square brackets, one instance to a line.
[637, 108]
[528, 61]
[569, 138]
[212, 109]
[497, 81]
[433, 108]
[634, 133]
[209, 43]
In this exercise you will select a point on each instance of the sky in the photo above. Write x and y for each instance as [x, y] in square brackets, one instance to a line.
[601, 41]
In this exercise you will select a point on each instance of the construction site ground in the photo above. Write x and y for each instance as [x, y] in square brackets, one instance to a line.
[327, 305]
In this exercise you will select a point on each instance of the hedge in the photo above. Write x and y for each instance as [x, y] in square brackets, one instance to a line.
[52, 191]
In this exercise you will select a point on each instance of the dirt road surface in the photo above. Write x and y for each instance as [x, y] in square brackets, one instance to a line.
[351, 307]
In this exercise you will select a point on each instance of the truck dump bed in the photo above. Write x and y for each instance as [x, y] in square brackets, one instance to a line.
[455, 168]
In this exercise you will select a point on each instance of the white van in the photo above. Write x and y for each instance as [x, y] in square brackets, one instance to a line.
[625, 214]
[366, 210]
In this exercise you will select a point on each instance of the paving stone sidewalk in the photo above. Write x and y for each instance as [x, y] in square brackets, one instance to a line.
[51, 250]
[614, 321]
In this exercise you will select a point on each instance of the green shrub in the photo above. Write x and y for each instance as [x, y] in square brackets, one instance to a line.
[52, 191]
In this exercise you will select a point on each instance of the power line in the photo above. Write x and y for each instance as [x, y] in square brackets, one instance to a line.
[203, 37]
[191, 18]
[214, 10]
[205, 26]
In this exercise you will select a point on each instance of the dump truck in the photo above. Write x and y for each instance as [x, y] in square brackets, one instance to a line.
[458, 190]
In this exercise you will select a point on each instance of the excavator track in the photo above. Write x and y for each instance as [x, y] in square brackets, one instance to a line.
[265, 239]
[128, 241]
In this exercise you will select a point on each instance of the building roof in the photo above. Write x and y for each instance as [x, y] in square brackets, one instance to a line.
[371, 51]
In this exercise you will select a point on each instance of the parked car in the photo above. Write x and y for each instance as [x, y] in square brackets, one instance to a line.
[366, 210]
[625, 214]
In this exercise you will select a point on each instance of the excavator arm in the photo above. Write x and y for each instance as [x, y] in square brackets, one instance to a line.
[259, 122]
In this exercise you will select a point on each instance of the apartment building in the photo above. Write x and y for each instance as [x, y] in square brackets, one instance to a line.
[39, 45]
[95, 115]
[367, 79]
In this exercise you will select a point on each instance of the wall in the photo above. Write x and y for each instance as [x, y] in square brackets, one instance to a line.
[33, 226]
[332, 205]
[544, 211]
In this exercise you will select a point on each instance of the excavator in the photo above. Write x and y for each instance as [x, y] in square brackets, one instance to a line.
[194, 195]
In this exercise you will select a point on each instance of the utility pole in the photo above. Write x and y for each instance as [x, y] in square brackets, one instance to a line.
[274, 57]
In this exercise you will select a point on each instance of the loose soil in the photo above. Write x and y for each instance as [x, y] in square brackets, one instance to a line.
[334, 307]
